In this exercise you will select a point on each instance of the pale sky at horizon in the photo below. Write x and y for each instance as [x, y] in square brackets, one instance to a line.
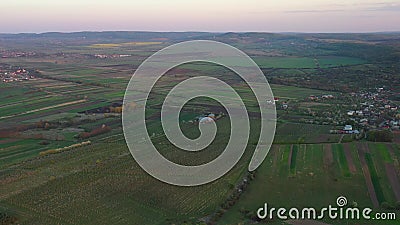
[207, 15]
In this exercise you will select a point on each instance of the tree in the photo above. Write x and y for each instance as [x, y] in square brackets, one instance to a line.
[380, 135]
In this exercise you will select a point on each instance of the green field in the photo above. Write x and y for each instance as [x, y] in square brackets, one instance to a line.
[309, 63]
[339, 155]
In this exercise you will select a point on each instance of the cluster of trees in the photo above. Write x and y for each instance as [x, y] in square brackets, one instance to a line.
[97, 131]
[380, 135]
[233, 198]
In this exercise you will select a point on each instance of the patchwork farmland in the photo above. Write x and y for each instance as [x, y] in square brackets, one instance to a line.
[64, 160]
[289, 176]
[85, 178]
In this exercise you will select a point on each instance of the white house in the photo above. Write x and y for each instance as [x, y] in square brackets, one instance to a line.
[348, 128]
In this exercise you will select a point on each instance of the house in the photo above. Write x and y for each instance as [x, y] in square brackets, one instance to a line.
[359, 112]
[348, 128]
[350, 113]
[394, 123]
[327, 96]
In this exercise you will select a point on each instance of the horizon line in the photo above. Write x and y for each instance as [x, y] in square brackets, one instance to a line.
[194, 31]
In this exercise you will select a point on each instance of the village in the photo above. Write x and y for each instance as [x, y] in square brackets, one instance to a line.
[376, 111]
[349, 113]
[15, 75]
[111, 56]
[16, 54]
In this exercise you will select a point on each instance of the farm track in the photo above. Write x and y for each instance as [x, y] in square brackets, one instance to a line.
[341, 139]
[362, 148]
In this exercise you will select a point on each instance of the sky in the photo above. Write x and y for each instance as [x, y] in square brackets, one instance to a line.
[38, 16]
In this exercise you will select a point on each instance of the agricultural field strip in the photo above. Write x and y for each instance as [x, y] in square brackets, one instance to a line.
[381, 158]
[392, 173]
[64, 86]
[339, 155]
[45, 82]
[349, 158]
[21, 152]
[71, 89]
[45, 108]
[26, 100]
[36, 105]
[78, 90]
[48, 99]
[367, 174]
